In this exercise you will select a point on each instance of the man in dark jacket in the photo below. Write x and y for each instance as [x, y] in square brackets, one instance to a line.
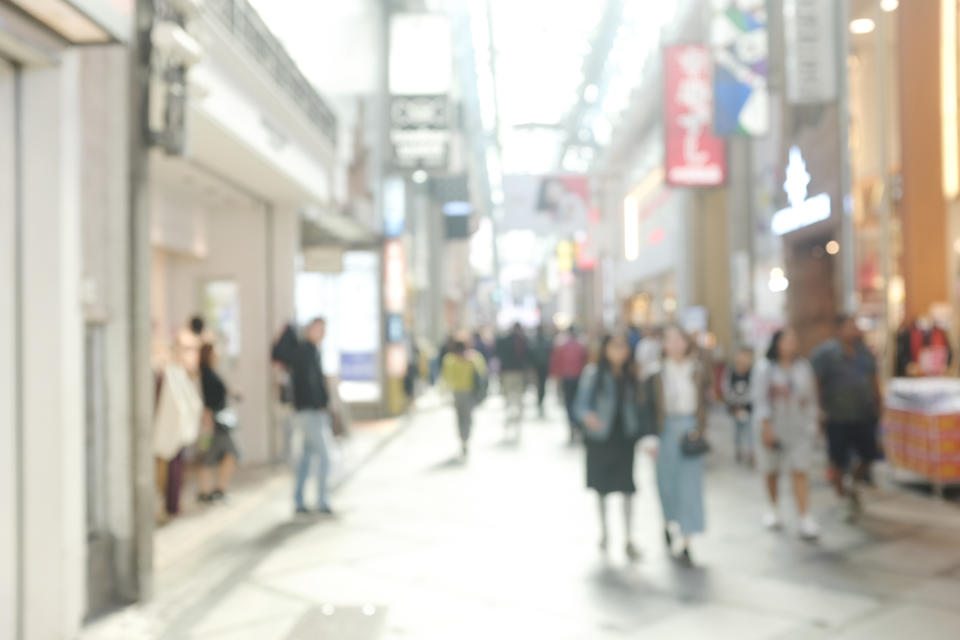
[311, 399]
[513, 351]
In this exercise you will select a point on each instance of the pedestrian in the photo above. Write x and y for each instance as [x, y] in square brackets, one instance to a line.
[682, 401]
[739, 398]
[540, 354]
[567, 362]
[218, 450]
[464, 372]
[311, 399]
[787, 410]
[513, 352]
[850, 398]
[615, 409]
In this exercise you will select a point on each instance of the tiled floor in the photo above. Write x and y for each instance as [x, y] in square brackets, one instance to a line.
[505, 547]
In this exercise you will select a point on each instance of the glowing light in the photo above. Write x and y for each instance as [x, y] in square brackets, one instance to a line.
[419, 176]
[670, 304]
[862, 26]
[778, 282]
[948, 99]
[833, 247]
[802, 211]
[889, 5]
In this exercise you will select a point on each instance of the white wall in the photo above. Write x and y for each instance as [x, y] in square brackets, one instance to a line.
[52, 380]
[8, 372]
[106, 272]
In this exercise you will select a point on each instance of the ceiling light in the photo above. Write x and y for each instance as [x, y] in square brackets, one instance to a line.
[65, 20]
[889, 5]
[861, 26]
[419, 176]
[833, 247]
[591, 93]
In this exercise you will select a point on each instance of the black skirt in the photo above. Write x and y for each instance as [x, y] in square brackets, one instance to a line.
[610, 461]
[610, 466]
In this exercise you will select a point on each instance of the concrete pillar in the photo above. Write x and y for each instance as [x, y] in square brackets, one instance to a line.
[52, 342]
[923, 206]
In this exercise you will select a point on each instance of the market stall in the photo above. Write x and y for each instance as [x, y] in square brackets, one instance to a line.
[921, 428]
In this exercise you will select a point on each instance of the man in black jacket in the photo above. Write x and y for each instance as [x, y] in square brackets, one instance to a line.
[311, 399]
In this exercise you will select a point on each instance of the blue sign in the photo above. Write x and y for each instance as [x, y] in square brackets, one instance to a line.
[457, 209]
[394, 207]
[358, 367]
[395, 328]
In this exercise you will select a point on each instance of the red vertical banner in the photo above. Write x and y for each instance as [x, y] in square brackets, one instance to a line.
[694, 156]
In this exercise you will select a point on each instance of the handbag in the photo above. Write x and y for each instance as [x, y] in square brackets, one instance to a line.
[227, 417]
[694, 444]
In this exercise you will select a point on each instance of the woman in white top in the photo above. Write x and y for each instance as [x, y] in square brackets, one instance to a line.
[785, 403]
[681, 414]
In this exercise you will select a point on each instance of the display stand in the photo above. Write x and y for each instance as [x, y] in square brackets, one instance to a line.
[921, 429]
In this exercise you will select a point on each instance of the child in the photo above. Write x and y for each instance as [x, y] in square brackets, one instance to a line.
[738, 397]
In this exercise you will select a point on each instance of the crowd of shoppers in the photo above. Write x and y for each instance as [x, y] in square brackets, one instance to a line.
[656, 385]
[662, 383]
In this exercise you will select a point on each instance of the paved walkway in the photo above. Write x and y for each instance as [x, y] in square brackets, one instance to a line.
[505, 546]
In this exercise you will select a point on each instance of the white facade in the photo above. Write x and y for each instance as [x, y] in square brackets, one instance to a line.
[70, 521]
[44, 109]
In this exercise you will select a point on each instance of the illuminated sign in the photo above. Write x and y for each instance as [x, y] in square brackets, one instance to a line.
[803, 211]
[695, 157]
[394, 277]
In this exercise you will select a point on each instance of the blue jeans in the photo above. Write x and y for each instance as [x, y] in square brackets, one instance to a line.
[316, 429]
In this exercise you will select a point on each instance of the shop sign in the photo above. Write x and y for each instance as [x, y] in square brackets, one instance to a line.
[323, 260]
[803, 211]
[810, 50]
[358, 367]
[739, 41]
[419, 130]
[394, 206]
[695, 157]
[394, 276]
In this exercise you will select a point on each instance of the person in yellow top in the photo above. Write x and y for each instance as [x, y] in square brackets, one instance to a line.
[465, 373]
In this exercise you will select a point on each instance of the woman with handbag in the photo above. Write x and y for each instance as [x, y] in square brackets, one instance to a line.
[613, 406]
[465, 373]
[682, 388]
[787, 412]
[216, 441]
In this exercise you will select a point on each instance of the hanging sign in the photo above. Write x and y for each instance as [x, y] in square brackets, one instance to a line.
[695, 157]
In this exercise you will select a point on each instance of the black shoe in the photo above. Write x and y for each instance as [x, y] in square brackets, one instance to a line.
[217, 495]
[667, 537]
[301, 511]
[633, 554]
[204, 498]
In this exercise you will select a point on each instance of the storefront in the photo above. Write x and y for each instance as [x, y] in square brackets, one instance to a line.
[214, 248]
[654, 275]
[64, 327]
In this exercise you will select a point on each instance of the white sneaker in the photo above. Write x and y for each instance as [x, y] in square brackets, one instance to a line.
[809, 529]
[771, 520]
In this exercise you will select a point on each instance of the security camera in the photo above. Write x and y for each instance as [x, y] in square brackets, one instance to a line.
[173, 42]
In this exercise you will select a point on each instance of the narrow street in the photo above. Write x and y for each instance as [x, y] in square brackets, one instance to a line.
[505, 546]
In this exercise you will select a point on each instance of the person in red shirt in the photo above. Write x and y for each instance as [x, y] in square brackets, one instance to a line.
[567, 361]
